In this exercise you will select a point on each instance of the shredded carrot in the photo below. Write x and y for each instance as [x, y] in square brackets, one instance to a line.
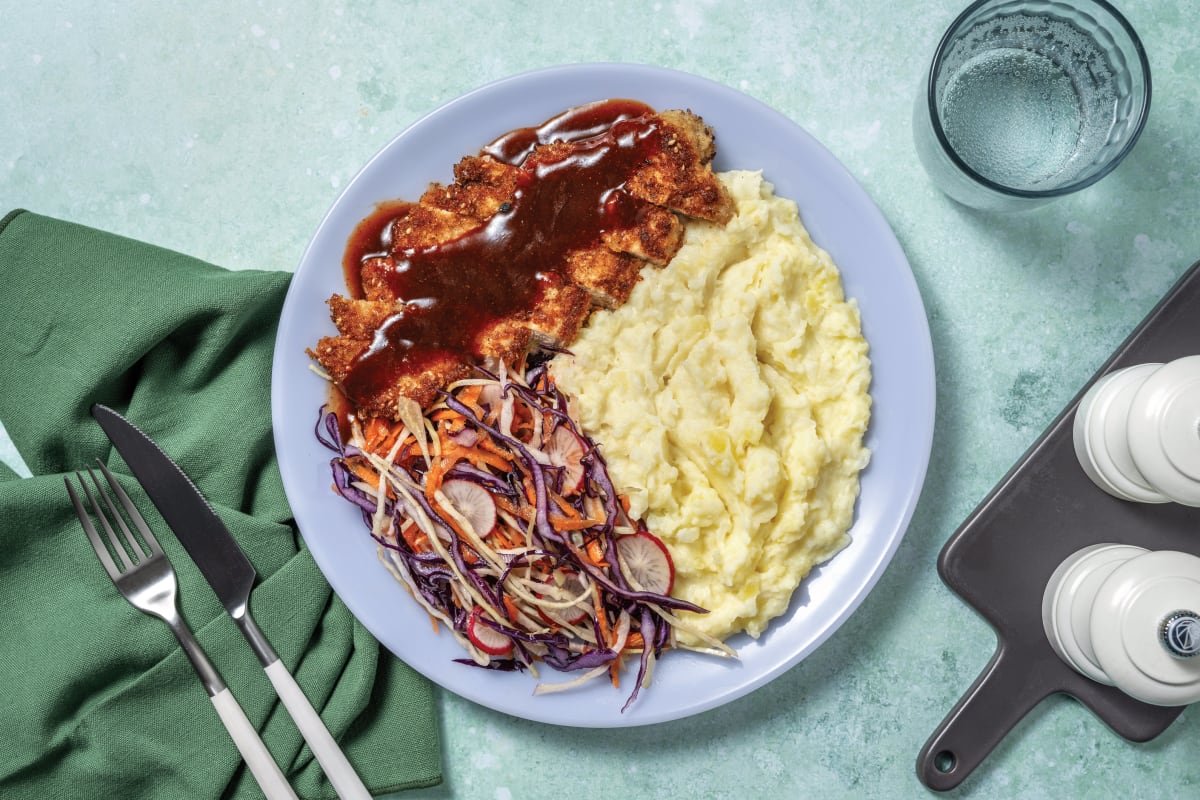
[468, 553]
[433, 478]
[506, 538]
[567, 508]
[476, 456]
[363, 471]
[507, 505]
[514, 547]
[510, 607]
[414, 537]
[530, 491]
[487, 444]
[580, 524]
[388, 442]
[601, 616]
[614, 668]
[469, 396]
[374, 431]
[595, 552]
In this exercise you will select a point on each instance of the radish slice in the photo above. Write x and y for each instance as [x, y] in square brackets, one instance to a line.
[487, 639]
[566, 450]
[646, 562]
[474, 503]
[572, 615]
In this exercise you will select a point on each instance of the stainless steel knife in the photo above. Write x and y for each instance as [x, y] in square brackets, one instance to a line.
[231, 576]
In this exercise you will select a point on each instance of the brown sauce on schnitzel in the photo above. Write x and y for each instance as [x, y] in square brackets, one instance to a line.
[367, 240]
[571, 125]
[538, 229]
[448, 293]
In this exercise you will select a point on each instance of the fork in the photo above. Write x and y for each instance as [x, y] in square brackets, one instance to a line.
[147, 581]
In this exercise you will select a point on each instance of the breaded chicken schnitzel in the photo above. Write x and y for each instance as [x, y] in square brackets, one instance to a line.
[511, 256]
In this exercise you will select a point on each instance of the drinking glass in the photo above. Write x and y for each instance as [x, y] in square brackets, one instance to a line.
[1030, 100]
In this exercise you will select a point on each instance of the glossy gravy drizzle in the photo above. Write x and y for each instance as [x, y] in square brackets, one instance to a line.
[452, 291]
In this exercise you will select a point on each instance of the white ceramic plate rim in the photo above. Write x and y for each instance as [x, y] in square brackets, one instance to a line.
[839, 216]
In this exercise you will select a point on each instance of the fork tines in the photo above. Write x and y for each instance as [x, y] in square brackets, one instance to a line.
[139, 554]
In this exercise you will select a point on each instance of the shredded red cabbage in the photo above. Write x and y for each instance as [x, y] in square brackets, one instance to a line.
[550, 551]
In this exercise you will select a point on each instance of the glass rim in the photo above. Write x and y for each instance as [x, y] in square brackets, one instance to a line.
[948, 149]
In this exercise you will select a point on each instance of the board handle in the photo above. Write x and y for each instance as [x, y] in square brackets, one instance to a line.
[1001, 696]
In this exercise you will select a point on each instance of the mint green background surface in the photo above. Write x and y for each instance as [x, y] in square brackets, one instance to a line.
[224, 130]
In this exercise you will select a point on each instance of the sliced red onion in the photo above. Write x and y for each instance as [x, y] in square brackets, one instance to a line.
[466, 437]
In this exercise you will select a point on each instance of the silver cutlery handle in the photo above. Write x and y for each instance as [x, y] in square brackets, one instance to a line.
[333, 761]
[262, 765]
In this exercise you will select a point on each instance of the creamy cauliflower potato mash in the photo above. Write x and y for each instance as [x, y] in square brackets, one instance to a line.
[730, 399]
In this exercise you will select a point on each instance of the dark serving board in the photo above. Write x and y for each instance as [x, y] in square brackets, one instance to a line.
[1002, 556]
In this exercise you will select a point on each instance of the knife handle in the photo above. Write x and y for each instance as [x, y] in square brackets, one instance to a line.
[333, 761]
[256, 755]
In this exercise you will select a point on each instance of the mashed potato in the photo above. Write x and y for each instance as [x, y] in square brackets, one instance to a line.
[729, 396]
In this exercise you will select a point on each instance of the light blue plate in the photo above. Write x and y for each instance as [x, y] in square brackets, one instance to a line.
[840, 217]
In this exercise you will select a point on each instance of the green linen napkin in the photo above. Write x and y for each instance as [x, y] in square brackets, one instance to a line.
[99, 701]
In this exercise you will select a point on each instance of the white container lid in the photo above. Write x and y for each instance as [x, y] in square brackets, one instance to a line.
[1068, 599]
[1101, 435]
[1164, 430]
[1145, 627]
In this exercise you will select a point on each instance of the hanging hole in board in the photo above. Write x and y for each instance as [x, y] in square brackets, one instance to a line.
[944, 762]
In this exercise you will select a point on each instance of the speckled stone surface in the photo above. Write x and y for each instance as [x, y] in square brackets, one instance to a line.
[225, 130]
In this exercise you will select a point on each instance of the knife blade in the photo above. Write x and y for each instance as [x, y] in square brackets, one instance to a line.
[187, 512]
[230, 574]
